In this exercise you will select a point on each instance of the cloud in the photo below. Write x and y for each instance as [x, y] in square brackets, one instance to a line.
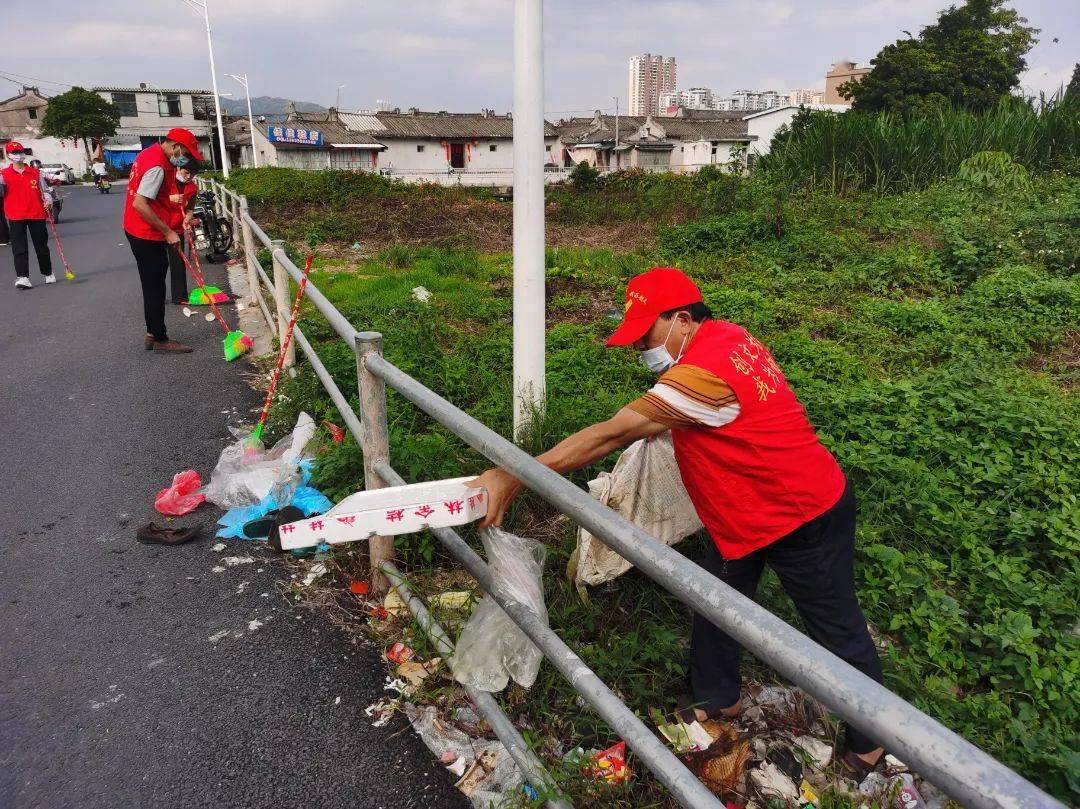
[134, 39]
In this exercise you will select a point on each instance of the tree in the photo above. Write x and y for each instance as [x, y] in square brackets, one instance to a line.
[971, 57]
[1072, 91]
[80, 114]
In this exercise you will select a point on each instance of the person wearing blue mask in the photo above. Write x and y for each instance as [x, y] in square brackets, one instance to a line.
[147, 212]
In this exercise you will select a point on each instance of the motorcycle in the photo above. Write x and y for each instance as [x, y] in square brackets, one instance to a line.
[103, 184]
[213, 234]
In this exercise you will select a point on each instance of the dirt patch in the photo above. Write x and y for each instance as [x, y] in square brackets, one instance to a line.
[1063, 362]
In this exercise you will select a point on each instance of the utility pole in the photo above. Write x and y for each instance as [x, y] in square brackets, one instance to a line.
[529, 294]
[201, 5]
[251, 121]
[615, 151]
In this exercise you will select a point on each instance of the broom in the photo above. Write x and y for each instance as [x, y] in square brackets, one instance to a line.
[202, 294]
[256, 434]
[236, 343]
[68, 274]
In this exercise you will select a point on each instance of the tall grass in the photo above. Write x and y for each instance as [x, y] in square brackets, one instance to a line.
[893, 152]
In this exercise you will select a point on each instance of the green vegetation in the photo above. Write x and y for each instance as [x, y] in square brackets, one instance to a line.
[971, 57]
[80, 114]
[891, 151]
[923, 300]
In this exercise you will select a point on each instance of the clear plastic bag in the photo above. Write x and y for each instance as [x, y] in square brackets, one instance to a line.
[491, 648]
[246, 472]
[644, 487]
[182, 496]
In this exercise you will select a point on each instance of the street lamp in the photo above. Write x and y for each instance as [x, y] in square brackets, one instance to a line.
[337, 101]
[200, 6]
[251, 122]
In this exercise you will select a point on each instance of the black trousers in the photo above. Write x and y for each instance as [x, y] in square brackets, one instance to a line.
[178, 275]
[37, 232]
[153, 263]
[814, 565]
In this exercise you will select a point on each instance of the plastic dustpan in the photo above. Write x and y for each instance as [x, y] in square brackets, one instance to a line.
[389, 512]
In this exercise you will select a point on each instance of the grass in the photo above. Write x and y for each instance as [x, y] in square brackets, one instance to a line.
[931, 335]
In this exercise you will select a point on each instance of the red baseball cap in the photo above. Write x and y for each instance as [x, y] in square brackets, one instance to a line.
[649, 295]
[14, 146]
[186, 139]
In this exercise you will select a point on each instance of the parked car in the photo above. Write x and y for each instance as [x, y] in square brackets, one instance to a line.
[59, 171]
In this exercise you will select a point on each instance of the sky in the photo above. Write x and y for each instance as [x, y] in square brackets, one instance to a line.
[457, 54]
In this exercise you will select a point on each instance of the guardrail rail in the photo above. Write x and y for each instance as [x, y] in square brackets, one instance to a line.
[962, 770]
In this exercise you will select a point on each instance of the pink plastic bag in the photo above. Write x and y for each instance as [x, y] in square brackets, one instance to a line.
[183, 496]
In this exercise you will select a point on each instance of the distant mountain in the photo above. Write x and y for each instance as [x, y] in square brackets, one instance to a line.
[265, 105]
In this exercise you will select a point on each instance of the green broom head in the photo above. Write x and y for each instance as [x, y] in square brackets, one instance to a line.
[236, 344]
[202, 296]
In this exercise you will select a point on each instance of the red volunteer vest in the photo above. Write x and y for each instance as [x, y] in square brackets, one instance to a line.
[766, 473]
[133, 223]
[177, 210]
[22, 194]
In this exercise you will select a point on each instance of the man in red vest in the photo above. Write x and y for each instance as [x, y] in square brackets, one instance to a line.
[25, 207]
[147, 212]
[766, 489]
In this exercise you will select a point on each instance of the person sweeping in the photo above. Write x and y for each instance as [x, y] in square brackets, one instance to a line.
[765, 488]
[147, 211]
[180, 215]
[26, 208]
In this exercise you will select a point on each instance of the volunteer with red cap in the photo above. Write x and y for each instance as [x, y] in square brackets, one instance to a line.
[147, 210]
[766, 489]
[180, 216]
[25, 207]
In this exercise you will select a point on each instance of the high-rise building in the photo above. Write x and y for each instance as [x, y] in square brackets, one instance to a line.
[650, 76]
[753, 100]
[696, 98]
[798, 98]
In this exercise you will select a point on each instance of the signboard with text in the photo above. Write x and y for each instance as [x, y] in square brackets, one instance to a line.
[295, 135]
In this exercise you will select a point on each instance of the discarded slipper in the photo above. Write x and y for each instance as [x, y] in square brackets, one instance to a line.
[154, 534]
[853, 767]
[284, 515]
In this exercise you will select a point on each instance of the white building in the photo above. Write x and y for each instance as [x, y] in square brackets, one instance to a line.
[682, 143]
[752, 100]
[696, 98]
[649, 78]
[762, 126]
[147, 113]
[20, 120]
[441, 147]
[801, 97]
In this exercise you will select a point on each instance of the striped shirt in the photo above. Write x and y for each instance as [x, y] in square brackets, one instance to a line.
[688, 396]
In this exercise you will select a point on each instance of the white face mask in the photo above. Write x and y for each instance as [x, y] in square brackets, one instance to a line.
[16, 157]
[659, 359]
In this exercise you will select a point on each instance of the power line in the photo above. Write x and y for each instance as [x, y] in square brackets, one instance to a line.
[23, 78]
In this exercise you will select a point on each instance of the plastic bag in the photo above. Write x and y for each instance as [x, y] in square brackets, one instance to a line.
[182, 496]
[645, 488]
[491, 648]
[246, 473]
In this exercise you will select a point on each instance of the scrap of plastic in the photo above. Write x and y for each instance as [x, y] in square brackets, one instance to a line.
[644, 487]
[421, 294]
[610, 765]
[309, 500]
[399, 653]
[246, 472]
[182, 497]
[492, 648]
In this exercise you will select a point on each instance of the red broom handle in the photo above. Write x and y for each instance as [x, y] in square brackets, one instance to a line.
[199, 277]
[285, 343]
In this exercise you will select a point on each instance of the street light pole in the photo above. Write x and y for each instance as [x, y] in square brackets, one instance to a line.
[251, 121]
[202, 5]
[529, 301]
[616, 151]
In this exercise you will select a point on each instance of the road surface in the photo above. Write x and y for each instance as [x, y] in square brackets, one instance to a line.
[112, 693]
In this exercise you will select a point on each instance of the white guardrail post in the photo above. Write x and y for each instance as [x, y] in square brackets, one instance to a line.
[281, 300]
[376, 445]
[251, 252]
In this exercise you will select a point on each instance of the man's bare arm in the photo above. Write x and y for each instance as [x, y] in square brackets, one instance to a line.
[583, 448]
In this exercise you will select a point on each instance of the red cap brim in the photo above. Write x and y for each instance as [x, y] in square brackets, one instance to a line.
[631, 331]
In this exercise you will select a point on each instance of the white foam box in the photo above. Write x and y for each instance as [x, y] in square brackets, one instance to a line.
[389, 512]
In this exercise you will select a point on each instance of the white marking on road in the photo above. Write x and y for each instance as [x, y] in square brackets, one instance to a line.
[218, 636]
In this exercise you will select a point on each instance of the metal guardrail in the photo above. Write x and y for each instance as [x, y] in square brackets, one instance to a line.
[962, 770]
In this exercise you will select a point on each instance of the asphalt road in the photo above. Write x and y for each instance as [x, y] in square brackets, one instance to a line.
[112, 693]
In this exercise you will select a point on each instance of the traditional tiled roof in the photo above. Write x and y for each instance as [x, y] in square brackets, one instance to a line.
[151, 90]
[446, 125]
[333, 131]
[602, 129]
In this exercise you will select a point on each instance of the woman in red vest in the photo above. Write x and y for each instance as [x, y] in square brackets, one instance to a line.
[147, 211]
[766, 489]
[25, 207]
[179, 218]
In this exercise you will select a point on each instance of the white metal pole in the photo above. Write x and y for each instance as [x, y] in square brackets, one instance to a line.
[529, 296]
[217, 99]
[616, 152]
[251, 121]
